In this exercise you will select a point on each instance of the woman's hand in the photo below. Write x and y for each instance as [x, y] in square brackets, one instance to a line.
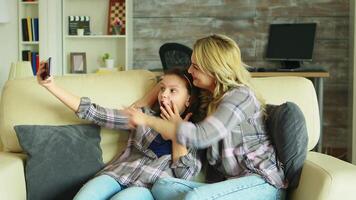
[173, 115]
[136, 117]
[47, 82]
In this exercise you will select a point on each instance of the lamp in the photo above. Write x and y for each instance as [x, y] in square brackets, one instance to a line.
[4, 13]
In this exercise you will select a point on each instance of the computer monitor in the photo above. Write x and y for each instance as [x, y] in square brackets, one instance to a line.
[291, 43]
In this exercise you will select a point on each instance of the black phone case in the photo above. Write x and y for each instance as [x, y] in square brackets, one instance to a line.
[47, 67]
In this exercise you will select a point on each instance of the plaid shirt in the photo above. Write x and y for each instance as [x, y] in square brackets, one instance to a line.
[237, 142]
[138, 165]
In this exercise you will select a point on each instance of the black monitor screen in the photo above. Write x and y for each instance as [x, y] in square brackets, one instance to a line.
[291, 41]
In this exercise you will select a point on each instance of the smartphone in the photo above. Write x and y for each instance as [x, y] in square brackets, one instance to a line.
[47, 69]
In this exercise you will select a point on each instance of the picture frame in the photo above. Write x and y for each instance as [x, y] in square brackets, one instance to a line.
[116, 12]
[78, 62]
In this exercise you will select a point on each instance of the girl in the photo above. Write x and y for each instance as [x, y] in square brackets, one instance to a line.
[233, 133]
[147, 156]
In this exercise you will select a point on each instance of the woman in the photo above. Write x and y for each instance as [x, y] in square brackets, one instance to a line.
[233, 133]
[147, 156]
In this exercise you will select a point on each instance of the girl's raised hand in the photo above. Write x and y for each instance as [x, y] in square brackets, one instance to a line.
[173, 115]
[47, 82]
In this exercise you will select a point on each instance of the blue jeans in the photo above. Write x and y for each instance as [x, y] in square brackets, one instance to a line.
[246, 188]
[104, 187]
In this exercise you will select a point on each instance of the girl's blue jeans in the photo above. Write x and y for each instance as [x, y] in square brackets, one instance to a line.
[246, 188]
[104, 187]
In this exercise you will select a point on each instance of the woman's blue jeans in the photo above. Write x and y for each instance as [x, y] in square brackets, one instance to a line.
[246, 188]
[104, 187]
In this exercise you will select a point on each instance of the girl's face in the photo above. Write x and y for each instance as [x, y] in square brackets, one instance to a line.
[173, 89]
[200, 78]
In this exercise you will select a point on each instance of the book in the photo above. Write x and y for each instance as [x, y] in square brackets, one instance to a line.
[33, 62]
[28, 21]
[36, 30]
[37, 62]
[33, 29]
[25, 55]
[24, 29]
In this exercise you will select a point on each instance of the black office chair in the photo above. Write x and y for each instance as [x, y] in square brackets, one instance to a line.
[175, 55]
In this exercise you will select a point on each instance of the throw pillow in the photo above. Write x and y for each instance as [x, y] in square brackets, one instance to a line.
[60, 158]
[286, 125]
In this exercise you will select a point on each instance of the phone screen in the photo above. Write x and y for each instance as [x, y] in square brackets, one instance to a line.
[47, 67]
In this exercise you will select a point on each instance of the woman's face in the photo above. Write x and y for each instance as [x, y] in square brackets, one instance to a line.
[173, 89]
[200, 78]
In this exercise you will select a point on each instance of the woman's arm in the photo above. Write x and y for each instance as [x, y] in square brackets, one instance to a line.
[235, 108]
[70, 100]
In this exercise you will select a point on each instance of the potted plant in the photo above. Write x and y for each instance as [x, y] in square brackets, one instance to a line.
[108, 60]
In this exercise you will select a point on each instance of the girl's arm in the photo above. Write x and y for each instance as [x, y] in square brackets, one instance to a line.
[166, 126]
[187, 166]
[110, 118]
[70, 100]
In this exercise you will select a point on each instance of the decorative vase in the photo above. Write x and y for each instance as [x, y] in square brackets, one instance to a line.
[109, 63]
[116, 30]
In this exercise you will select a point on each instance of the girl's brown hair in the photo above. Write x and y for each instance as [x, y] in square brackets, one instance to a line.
[193, 91]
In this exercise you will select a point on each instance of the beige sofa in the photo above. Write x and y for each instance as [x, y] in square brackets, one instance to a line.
[25, 102]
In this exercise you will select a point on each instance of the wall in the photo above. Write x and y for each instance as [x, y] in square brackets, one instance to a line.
[9, 42]
[247, 22]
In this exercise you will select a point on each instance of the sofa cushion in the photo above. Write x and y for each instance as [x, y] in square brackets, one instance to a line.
[60, 158]
[287, 127]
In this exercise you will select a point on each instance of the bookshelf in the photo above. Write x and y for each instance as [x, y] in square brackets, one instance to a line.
[98, 42]
[28, 15]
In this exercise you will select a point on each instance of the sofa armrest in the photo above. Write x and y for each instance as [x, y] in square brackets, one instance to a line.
[12, 176]
[326, 178]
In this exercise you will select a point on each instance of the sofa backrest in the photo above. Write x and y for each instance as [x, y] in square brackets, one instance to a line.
[277, 90]
[26, 102]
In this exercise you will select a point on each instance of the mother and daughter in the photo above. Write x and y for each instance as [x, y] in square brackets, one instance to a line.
[161, 155]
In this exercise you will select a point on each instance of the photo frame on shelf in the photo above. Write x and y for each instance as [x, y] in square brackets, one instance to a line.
[78, 62]
[116, 17]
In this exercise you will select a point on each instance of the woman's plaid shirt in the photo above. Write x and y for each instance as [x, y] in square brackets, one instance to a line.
[236, 140]
[137, 165]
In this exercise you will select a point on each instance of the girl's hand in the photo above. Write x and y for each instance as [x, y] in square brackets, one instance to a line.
[173, 115]
[45, 83]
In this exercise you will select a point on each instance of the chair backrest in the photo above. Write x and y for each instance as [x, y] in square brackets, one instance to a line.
[175, 55]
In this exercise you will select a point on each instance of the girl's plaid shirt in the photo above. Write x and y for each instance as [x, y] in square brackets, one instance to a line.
[137, 165]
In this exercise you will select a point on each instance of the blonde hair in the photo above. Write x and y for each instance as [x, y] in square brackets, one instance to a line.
[219, 56]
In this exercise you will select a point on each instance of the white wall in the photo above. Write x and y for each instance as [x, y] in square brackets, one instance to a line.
[8, 42]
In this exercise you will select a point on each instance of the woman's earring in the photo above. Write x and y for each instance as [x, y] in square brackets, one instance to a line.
[187, 103]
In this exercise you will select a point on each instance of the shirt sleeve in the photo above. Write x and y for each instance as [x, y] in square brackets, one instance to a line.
[105, 117]
[236, 106]
[188, 165]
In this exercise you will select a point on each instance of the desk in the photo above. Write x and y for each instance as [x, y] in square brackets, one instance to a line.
[317, 78]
